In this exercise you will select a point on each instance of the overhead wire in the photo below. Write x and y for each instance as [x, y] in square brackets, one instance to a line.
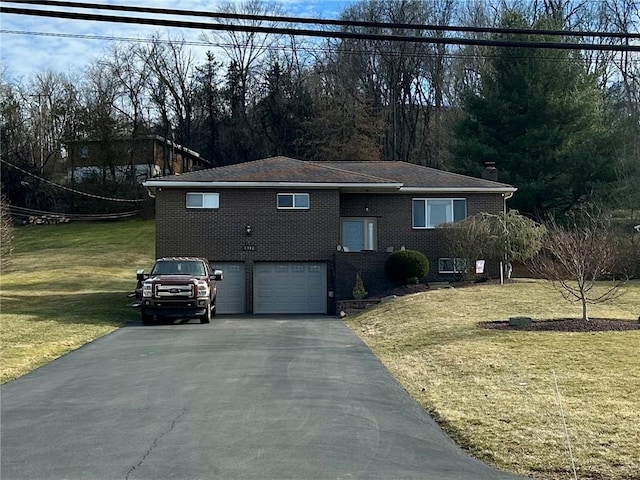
[44, 216]
[307, 49]
[323, 33]
[322, 21]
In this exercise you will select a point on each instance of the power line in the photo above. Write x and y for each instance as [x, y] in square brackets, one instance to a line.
[42, 216]
[321, 33]
[307, 49]
[332, 22]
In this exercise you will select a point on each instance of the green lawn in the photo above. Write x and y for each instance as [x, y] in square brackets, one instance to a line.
[67, 285]
[494, 391]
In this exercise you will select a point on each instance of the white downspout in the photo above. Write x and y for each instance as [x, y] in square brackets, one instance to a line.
[505, 197]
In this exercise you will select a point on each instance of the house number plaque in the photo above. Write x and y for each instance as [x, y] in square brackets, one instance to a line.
[248, 248]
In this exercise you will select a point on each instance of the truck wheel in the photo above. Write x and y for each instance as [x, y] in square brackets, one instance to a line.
[213, 308]
[146, 318]
[206, 318]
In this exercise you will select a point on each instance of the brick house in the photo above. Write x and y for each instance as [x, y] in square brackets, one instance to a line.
[291, 235]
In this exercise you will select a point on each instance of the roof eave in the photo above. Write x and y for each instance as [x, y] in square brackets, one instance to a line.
[354, 186]
[306, 185]
[497, 189]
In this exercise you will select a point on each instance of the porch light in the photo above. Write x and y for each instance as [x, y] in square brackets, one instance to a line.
[248, 230]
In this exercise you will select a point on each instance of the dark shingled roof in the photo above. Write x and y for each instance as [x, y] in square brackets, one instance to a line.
[289, 170]
[411, 175]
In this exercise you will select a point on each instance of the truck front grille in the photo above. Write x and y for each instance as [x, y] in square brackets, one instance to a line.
[174, 291]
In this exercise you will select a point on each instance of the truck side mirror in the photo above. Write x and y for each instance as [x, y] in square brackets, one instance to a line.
[140, 275]
[217, 275]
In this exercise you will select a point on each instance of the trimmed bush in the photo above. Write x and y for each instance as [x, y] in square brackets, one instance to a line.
[406, 264]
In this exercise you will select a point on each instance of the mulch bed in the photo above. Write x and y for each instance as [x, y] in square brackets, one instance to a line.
[569, 325]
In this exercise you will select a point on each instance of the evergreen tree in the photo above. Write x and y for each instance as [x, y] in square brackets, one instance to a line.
[539, 116]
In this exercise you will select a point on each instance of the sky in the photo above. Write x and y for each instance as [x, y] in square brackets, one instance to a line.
[24, 55]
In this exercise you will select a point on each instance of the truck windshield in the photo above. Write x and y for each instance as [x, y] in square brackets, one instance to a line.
[177, 267]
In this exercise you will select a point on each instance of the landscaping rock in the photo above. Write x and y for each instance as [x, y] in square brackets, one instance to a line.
[520, 321]
[388, 298]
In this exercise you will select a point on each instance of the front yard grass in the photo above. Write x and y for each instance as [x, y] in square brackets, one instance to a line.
[67, 285]
[494, 391]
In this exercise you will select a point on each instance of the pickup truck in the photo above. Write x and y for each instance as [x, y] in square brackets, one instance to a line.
[178, 287]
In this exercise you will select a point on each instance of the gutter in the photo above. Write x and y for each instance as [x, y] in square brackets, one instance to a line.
[183, 184]
[506, 190]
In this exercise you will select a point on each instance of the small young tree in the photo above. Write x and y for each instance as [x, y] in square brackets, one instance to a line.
[509, 237]
[471, 239]
[6, 234]
[358, 288]
[576, 256]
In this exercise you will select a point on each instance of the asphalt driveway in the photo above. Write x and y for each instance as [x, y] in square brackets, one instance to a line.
[241, 398]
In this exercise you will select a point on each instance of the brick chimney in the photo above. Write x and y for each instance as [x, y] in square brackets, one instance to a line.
[490, 171]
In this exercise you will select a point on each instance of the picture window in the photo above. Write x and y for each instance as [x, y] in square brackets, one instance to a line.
[435, 212]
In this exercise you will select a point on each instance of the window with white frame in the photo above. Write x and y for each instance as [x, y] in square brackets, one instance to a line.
[293, 201]
[434, 212]
[203, 200]
[451, 265]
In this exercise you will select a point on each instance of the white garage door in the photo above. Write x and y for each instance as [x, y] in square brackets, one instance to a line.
[231, 290]
[290, 288]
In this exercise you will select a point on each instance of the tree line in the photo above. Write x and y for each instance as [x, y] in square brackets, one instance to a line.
[560, 125]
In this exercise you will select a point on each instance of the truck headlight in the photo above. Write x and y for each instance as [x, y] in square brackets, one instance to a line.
[147, 289]
[203, 289]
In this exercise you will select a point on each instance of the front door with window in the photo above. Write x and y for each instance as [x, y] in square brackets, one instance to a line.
[359, 234]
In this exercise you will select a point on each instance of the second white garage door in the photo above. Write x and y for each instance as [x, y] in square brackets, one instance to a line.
[290, 288]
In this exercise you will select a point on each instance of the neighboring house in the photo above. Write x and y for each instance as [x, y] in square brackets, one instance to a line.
[291, 235]
[137, 158]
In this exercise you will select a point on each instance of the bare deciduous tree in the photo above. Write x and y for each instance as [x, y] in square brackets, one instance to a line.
[173, 67]
[6, 234]
[582, 261]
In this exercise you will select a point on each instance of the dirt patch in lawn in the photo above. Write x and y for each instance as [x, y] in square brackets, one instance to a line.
[569, 325]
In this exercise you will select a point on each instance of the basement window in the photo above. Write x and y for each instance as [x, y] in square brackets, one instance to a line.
[451, 265]
[293, 201]
[203, 200]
